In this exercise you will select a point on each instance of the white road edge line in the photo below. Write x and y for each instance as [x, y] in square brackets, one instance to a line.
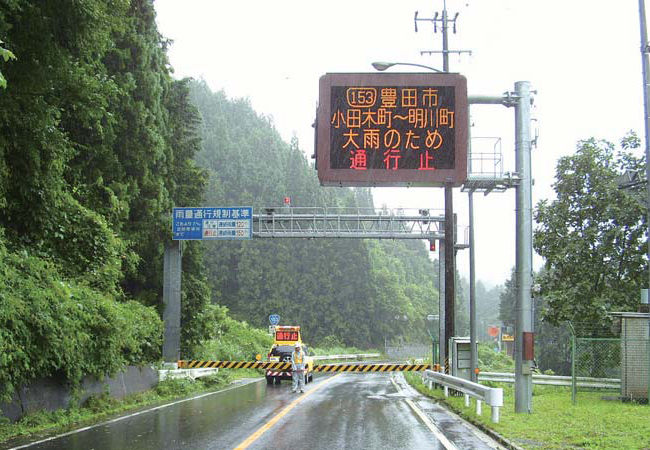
[117, 419]
[425, 419]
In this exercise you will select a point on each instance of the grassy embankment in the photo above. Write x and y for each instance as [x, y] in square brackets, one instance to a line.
[593, 423]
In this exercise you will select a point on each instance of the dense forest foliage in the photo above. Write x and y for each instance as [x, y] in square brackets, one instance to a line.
[96, 146]
[350, 289]
[98, 142]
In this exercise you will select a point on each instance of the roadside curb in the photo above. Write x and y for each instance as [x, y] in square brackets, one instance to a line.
[490, 432]
[485, 429]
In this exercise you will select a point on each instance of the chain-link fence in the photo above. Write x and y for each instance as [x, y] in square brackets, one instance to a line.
[596, 365]
[408, 351]
[617, 367]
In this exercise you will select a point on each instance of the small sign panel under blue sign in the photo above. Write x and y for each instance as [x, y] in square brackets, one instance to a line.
[213, 223]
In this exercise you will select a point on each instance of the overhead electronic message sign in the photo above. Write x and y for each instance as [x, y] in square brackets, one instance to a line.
[397, 129]
[212, 223]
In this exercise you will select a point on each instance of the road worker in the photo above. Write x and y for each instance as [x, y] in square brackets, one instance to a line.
[298, 368]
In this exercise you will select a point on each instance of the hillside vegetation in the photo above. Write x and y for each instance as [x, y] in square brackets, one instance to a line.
[352, 289]
[98, 142]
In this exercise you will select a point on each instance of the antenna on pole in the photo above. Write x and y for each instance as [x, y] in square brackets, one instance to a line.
[441, 21]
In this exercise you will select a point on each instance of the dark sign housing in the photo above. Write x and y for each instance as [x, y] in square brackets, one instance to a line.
[401, 129]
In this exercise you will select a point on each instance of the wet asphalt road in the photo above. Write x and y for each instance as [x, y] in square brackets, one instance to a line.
[345, 411]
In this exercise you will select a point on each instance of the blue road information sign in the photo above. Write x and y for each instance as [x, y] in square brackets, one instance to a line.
[274, 319]
[213, 223]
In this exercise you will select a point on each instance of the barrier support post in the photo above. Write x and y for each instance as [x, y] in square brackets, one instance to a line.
[495, 414]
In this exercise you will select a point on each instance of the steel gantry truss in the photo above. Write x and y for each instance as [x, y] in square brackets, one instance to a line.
[356, 223]
[306, 223]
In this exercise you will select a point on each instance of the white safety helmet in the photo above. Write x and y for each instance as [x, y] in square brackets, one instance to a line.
[297, 345]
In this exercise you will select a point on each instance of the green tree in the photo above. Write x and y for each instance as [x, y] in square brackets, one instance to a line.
[5, 55]
[592, 236]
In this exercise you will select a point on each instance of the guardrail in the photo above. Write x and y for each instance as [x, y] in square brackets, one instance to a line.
[165, 374]
[554, 380]
[359, 356]
[491, 396]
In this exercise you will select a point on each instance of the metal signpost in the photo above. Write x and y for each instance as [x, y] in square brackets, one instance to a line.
[201, 223]
[521, 99]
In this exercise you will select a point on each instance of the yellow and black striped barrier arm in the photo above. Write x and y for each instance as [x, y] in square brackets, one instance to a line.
[317, 368]
[233, 365]
[371, 367]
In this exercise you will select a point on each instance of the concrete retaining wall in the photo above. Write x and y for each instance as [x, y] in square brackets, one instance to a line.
[50, 394]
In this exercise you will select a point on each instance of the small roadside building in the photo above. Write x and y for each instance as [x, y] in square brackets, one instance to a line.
[635, 354]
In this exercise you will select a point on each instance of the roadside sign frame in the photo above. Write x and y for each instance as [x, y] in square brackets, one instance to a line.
[439, 177]
[212, 223]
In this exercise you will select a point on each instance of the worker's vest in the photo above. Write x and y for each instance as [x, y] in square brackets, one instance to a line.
[297, 357]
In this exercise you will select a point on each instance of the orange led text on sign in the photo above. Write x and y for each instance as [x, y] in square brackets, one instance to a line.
[361, 97]
[408, 125]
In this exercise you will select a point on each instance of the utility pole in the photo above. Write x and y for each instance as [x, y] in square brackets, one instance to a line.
[450, 238]
[645, 67]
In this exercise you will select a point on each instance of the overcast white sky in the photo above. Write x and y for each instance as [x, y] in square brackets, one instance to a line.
[582, 57]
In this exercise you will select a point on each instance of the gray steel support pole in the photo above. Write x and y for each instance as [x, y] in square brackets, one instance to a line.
[472, 274]
[645, 67]
[524, 248]
[472, 294]
[441, 306]
[172, 302]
